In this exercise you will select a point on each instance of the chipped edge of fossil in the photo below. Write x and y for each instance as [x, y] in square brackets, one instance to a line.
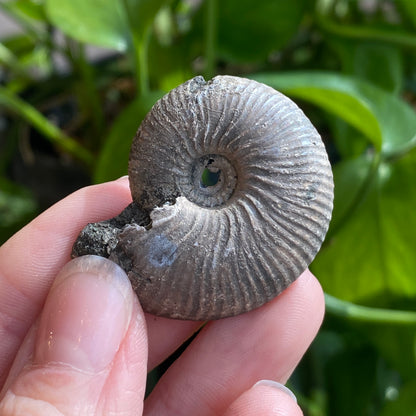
[101, 238]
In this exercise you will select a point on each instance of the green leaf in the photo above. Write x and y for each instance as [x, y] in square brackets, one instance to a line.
[99, 22]
[370, 57]
[352, 178]
[8, 59]
[372, 258]
[169, 65]
[410, 8]
[141, 13]
[404, 404]
[250, 31]
[26, 18]
[349, 142]
[385, 34]
[113, 159]
[387, 121]
[364, 60]
[30, 8]
[31, 62]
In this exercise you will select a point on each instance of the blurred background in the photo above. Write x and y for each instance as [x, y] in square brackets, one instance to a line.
[77, 77]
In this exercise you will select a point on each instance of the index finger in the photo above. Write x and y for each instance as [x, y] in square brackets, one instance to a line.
[30, 260]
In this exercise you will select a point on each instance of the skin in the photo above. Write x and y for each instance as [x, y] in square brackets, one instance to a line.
[59, 356]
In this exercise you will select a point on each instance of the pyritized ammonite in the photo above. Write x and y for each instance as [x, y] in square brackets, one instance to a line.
[232, 197]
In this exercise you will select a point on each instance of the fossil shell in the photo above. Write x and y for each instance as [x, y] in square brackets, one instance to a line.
[220, 249]
[239, 192]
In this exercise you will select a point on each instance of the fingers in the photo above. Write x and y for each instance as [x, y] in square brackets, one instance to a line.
[230, 355]
[30, 260]
[165, 336]
[265, 398]
[88, 353]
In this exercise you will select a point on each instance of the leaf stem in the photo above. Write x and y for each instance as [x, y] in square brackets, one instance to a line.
[8, 59]
[365, 314]
[142, 64]
[28, 28]
[45, 127]
[88, 93]
[210, 37]
[138, 49]
[357, 32]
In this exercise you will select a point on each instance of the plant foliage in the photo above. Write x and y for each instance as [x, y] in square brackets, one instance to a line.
[351, 66]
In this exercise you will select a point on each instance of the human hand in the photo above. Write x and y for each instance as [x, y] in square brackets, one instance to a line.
[74, 340]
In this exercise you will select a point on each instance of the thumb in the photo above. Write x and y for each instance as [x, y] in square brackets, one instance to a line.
[88, 352]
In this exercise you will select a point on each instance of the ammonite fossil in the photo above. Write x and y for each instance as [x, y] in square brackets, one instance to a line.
[232, 197]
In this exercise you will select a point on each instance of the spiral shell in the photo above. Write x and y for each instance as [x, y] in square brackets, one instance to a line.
[239, 192]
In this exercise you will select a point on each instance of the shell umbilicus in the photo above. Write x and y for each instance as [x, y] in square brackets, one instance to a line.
[232, 197]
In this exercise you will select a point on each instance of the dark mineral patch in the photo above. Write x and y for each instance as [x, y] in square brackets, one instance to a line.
[101, 238]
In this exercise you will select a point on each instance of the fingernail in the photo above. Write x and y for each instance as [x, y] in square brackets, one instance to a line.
[86, 315]
[278, 386]
[122, 178]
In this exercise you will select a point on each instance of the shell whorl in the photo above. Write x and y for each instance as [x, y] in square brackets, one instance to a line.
[227, 243]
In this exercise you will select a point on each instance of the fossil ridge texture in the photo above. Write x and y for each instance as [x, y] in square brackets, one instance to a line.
[232, 197]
